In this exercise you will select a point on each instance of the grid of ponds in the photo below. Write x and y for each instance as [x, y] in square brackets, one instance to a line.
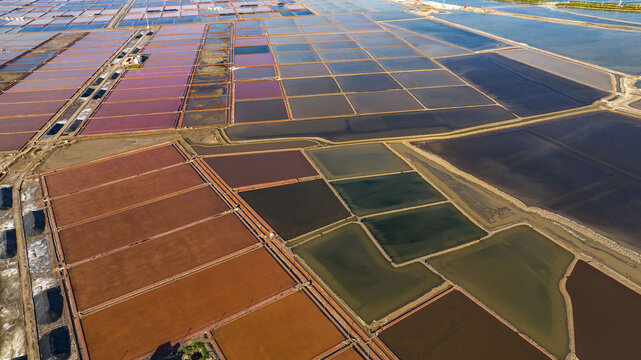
[337, 65]
[152, 12]
[49, 76]
[36, 16]
[183, 82]
[352, 77]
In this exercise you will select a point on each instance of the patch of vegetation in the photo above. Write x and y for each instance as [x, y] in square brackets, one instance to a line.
[134, 66]
[196, 351]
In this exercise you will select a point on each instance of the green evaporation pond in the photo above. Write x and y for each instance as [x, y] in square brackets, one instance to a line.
[357, 160]
[411, 234]
[516, 273]
[388, 192]
[352, 266]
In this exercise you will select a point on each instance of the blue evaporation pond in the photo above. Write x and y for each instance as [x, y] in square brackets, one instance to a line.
[392, 15]
[449, 34]
[614, 49]
[479, 3]
[586, 166]
[374, 126]
[523, 89]
[378, 5]
[542, 11]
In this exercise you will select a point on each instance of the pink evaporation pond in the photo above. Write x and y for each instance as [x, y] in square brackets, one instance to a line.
[138, 108]
[178, 37]
[96, 50]
[185, 29]
[51, 66]
[81, 57]
[151, 72]
[162, 42]
[55, 84]
[253, 60]
[61, 74]
[130, 123]
[167, 63]
[173, 55]
[250, 41]
[35, 96]
[38, 108]
[13, 142]
[164, 49]
[23, 123]
[93, 44]
[152, 82]
[257, 90]
[146, 94]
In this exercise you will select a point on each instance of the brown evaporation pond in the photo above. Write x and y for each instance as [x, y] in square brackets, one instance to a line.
[607, 315]
[215, 69]
[292, 328]
[102, 200]
[208, 90]
[204, 118]
[207, 103]
[454, 327]
[210, 79]
[138, 223]
[252, 169]
[134, 327]
[100, 172]
[138, 266]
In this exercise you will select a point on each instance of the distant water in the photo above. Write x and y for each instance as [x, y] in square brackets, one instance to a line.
[542, 11]
[614, 49]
